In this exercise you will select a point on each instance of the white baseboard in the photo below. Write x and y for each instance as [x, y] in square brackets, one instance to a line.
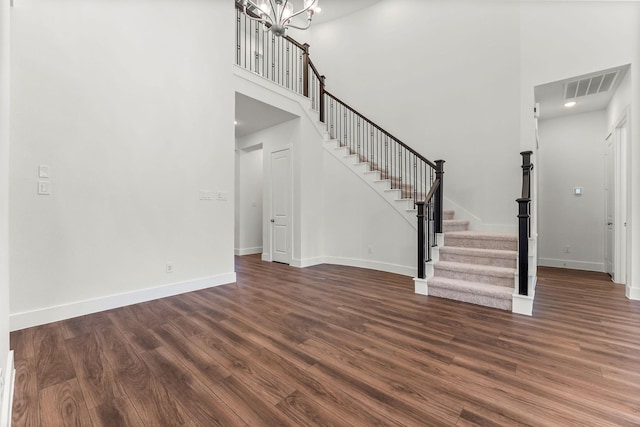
[361, 263]
[574, 265]
[248, 251]
[6, 392]
[307, 262]
[80, 308]
[632, 293]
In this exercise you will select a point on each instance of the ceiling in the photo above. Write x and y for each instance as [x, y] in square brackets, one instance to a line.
[553, 96]
[334, 9]
[253, 115]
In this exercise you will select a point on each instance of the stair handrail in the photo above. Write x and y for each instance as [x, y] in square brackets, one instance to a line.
[524, 224]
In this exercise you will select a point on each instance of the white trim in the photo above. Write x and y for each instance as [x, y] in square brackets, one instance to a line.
[574, 265]
[354, 262]
[248, 251]
[522, 304]
[632, 293]
[7, 392]
[420, 286]
[45, 315]
[307, 262]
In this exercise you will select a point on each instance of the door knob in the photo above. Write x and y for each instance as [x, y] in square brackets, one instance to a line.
[273, 220]
[609, 223]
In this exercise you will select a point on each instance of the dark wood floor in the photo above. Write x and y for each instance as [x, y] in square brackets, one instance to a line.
[333, 345]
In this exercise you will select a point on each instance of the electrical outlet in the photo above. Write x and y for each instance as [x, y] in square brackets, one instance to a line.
[222, 196]
[170, 267]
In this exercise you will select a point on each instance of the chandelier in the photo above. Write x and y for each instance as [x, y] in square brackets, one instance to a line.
[277, 14]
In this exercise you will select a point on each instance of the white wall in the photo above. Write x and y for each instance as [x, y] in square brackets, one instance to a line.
[572, 155]
[131, 106]
[4, 185]
[249, 199]
[445, 80]
[360, 227]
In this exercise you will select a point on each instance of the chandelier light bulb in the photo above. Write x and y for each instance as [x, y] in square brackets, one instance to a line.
[265, 8]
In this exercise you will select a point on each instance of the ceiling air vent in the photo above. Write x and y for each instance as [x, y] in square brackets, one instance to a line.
[591, 86]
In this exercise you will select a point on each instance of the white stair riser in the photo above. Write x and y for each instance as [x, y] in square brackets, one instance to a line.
[486, 301]
[479, 260]
[469, 276]
[465, 242]
[455, 227]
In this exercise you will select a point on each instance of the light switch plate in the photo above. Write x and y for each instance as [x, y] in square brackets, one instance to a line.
[43, 171]
[44, 188]
[206, 195]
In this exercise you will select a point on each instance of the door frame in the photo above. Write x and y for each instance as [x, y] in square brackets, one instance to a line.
[268, 214]
[609, 205]
[622, 172]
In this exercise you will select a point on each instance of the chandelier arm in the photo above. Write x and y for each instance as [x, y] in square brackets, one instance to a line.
[306, 27]
[301, 11]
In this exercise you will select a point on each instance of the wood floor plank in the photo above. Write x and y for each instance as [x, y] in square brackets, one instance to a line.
[93, 373]
[148, 395]
[200, 405]
[26, 407]
[115, 413]
[335, 345]
[53, 365]
[64, 405]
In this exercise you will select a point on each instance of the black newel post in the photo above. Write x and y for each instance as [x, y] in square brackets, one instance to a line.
[421, 242]
[439, 197]
[322, 79]
[305, 70]
[523, 224]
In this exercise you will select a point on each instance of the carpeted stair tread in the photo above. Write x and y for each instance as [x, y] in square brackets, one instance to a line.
[499, 276]
[494, 257]
[482, 240]
[448, 214]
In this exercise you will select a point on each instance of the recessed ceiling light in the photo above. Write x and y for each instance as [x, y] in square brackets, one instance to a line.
[570, 104]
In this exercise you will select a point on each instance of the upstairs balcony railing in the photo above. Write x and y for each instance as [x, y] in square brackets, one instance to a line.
[287, 63]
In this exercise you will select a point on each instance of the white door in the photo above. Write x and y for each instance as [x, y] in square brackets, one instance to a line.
[281, 206]
[609, 191]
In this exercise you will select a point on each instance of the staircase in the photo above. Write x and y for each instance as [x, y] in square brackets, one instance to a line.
[474, 267]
